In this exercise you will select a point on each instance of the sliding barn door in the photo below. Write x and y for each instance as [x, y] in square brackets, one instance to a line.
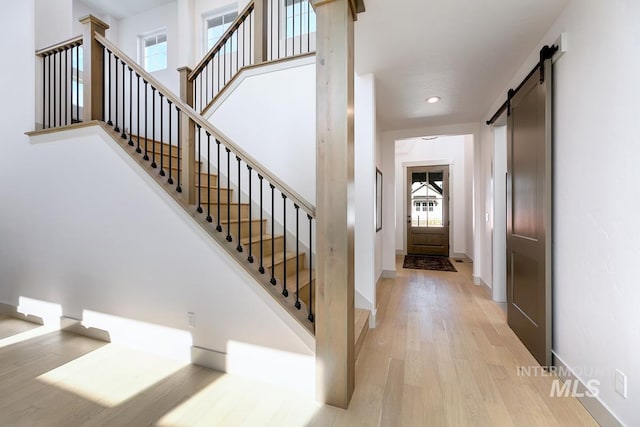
[529, 217]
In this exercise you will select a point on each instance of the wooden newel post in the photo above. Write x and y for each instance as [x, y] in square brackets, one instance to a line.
[260, 35]
[188, 132]
[93, 68]
[335, 204]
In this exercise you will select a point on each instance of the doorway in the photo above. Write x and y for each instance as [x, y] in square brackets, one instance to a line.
[428, 210]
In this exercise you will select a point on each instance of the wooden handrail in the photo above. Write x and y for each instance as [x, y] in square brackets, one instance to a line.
[207, 126]
[223, 39]
[72, 42]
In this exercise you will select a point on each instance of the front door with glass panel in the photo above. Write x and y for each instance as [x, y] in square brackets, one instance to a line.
[428, 210]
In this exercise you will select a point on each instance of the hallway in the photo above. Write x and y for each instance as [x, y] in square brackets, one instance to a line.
[442, 355]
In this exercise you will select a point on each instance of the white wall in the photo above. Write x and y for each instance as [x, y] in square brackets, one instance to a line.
[53, 21]
[365, 187]
[164, 17]
[596, 146]
[82, 227]
[80, 10]
[446, 150]
[271, 115]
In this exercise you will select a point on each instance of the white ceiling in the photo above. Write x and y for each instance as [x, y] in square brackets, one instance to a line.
[461, 50]
[121, 8]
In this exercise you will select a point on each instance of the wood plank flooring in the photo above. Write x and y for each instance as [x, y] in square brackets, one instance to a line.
[442, 355]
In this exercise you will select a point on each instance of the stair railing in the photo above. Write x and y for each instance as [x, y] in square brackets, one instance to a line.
[61, 83]
[152, 119]
[266, 30]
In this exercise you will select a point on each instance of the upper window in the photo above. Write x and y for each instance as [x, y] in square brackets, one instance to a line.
[216, 27]
[301, 18]
[154, 52]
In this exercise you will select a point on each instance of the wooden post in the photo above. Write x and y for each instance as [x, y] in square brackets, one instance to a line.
[187, 136]
[260, 31]
[335, 354]
[93, 68]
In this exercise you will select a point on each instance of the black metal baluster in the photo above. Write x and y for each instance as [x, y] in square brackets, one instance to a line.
[250, 257]
[278, 29]
[239, 247]
[300, 34]
[146, 121]
[44, 90]
[209, 219]
[237, 48]
[297, 304]
[179, 119]
[116, 128]
[200, 210]
[60, 112]
[109, 122]
[293, 27]
[285, 292]
[195, 92]
[170, 180]
[104, 86]
[229, 238]
[124, 114]
[153, 127]
[218, 227]
[162, 135]
[78, 83]
[206, 79]
[310, 308]
[273, 223]
[54, 90]
[138, 150]
[261, 268]
[130, 106]
[66, 86]
[219, 73]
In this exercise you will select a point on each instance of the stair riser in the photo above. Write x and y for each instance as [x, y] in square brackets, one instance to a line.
[291, 267]
[304, 290]
[244, 228]
[266, 246]
[213, 193]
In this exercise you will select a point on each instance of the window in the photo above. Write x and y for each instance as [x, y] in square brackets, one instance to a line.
[301, 19]
[154, 52]
[216, 27]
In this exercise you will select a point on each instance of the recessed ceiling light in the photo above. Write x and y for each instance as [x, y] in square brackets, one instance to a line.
[433, 99]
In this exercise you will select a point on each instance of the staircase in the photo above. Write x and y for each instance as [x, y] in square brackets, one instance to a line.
[258, 219]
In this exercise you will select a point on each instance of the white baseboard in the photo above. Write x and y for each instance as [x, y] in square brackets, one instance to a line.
[401, 252]
[598, 410]
[477, 280]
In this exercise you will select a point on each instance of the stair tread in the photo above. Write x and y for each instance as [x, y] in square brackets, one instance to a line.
[224, 202]
[256, 239]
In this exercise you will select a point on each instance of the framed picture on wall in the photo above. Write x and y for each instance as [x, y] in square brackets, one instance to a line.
[378, 200]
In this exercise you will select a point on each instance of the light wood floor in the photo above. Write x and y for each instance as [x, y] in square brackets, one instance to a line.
[442, 355]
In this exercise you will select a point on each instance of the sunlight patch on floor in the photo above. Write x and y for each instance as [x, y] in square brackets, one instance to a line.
[235, 401]
[27, 335]
[111, 374]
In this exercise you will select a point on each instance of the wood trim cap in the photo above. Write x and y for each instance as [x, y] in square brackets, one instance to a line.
[95, 21]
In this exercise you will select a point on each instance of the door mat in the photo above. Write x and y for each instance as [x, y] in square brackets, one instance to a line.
[424, 262]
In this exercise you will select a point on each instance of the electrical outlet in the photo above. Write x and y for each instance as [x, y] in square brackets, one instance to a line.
[621, 384]
[191, 319]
